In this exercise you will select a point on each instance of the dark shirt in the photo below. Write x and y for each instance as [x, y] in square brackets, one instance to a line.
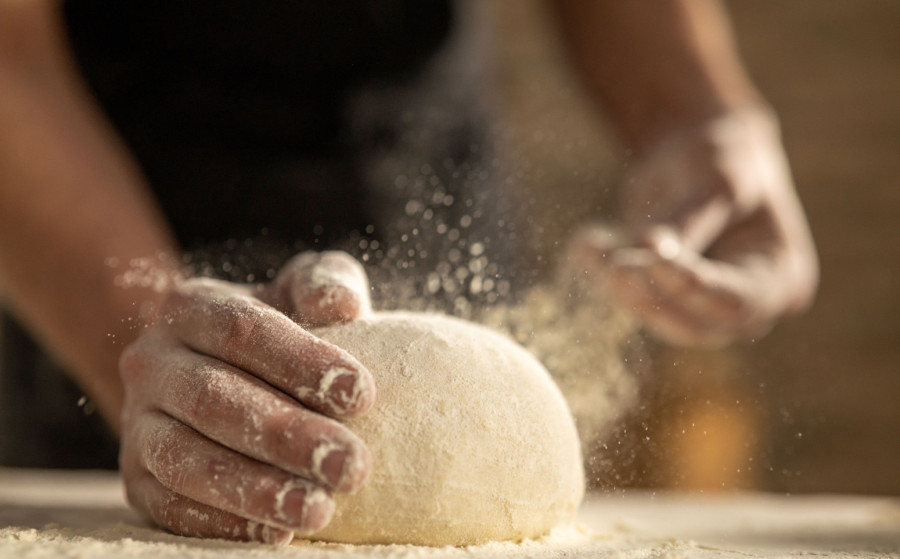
[237, 113]
[232, 105]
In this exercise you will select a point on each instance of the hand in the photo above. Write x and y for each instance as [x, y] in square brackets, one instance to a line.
[714, 245]
[229, 426]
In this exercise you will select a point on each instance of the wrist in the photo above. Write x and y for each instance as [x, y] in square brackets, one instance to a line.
[755, 114]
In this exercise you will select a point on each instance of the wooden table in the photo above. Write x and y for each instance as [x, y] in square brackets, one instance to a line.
[45, 514]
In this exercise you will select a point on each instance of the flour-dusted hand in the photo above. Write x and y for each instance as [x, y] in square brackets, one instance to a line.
[714, 243]
[229, 426]
[321, 288]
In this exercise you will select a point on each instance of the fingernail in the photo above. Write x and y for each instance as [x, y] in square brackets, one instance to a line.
[275, 536]
[335, 303]
[303, 506]
[337, 271]
[339, 465]
[345, 390]
[331, 463]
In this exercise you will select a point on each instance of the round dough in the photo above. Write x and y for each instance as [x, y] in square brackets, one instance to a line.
[471, 440]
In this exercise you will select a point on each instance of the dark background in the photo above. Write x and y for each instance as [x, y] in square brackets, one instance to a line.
[814, 406]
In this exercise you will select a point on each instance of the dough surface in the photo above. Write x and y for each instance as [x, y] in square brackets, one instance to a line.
[471, 440]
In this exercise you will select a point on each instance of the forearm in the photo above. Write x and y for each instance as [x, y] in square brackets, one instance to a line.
[655, 65]
[71, 203]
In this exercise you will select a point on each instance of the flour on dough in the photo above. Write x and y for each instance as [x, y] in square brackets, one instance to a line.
[471, 440]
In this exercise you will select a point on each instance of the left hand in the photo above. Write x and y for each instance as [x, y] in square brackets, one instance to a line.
[714, 245]
[231, 422]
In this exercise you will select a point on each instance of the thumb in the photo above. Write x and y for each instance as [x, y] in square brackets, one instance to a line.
[320, 288]
[694, 224]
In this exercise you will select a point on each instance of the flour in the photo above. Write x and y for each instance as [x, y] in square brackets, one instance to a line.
[334, 284]
[56, 514]
[129, 541]
[49, 515]
[581, 338]
[93, 526]
[339, 401]
[569, 323]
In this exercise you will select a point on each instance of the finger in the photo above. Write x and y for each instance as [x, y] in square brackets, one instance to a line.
[187, 517]
[699, 182]
[702, 289]
[695, 223]
[745, 296]
[693, 205]
[596, 241]
[321, 288]
[212, 318]
[777, 252]
[693, 300]
[665, 321]
[195, 467]
[246, 414]
[587, 256]
[741, 285]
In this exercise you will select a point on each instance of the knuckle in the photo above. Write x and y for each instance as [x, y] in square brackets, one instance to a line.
[280, 428]
[240, 332]
[221, 467]
[204, 404]
[165, 453]
[162, 462]
[168, 512]
[284, 437]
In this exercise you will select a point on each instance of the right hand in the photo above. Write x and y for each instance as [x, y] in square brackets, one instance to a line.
[714, 245]
[229, 428]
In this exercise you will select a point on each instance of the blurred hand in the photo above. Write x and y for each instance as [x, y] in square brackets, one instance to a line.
[229, 427]
[713, 245]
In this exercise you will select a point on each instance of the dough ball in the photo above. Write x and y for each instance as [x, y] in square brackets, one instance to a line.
[471, 440]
